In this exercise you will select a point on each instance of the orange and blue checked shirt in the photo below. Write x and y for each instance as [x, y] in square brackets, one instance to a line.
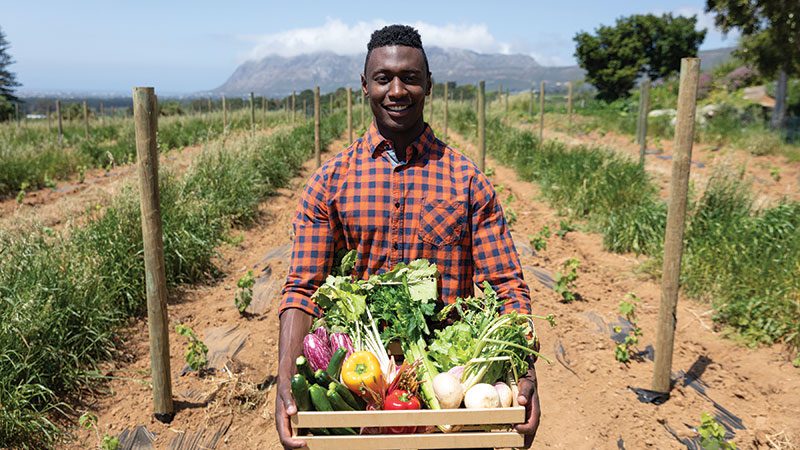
[435, 205]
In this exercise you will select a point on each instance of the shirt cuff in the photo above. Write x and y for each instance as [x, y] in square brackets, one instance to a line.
[299, 302]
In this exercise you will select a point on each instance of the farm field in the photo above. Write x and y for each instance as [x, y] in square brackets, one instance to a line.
[246, 225]
[584, 390]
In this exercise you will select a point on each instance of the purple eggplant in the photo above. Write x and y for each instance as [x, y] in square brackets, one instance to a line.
[339, 340]
[317, 351]
[322, 333]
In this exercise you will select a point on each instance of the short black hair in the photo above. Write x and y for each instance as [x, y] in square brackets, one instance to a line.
[396, 35]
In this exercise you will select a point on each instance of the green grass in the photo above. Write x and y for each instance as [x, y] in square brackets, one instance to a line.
[31, 154]
[63, 298]
[744, 260]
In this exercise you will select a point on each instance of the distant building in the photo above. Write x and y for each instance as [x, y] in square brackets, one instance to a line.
[35, 116]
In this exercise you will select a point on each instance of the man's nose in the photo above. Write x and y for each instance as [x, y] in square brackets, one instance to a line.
[397, 88]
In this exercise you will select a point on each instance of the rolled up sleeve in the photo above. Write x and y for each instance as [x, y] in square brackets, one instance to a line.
[494, 256]
[312, 250]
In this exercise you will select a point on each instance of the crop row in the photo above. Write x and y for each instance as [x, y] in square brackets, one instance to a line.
[64, 296]
[31, 156]
[744, 260]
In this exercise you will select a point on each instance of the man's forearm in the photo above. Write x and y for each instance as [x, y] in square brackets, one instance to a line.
[295, 323]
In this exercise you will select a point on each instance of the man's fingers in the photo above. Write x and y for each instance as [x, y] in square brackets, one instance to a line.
[526, 389]
[283, 425]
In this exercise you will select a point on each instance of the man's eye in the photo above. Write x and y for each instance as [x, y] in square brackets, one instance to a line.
[410, 79]
[381, 80]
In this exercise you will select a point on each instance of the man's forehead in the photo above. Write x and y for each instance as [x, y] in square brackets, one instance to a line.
[396, 58]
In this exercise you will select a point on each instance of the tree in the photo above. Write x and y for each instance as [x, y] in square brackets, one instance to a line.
[640, 44]
[770, 40]
[8, 80]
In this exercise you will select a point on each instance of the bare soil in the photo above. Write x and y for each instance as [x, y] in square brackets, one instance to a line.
[585, 396]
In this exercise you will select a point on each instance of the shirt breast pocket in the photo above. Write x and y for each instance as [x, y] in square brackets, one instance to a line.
[442, 221]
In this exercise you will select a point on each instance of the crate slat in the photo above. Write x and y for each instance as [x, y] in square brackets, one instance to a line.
[489, 416]
[415, 441]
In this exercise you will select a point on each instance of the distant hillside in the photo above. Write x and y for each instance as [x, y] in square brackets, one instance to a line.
[279, 76]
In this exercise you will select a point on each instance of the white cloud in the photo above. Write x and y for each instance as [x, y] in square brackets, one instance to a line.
[345, 39]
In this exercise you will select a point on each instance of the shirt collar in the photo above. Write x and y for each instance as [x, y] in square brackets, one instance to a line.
[377, 143]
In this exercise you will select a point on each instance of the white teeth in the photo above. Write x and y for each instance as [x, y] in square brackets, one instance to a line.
[397, 108]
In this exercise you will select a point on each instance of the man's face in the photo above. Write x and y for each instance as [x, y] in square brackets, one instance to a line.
[396, 82]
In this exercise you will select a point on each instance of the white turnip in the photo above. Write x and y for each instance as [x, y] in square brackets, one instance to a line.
[448, 390]
[482, 395]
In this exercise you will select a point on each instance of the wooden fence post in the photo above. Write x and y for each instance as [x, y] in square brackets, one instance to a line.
[294, 107]
[60, 125]
[330, 103]
[224, 116]
[317, 150]
[508, 93]
[102, 112]
[305, 110]
[349, 116]
[16, 113]
[482, 126]
[252, 114]
[644, 109]
[676, 219]
[446, 98]
[85, 120]
[541, 111]
[145, 112]
[533, 100]
[569, 105]
[49, 120]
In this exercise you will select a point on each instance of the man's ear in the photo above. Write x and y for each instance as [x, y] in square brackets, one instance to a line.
[364, 85]
[430, 84]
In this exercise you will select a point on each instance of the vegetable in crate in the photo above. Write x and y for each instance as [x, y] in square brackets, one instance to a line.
[400, 400]
[317, 351]
[362, 371]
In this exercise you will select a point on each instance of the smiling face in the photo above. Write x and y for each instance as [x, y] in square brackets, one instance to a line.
[396, 81]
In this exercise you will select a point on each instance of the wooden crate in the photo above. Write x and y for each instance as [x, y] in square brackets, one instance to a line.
[489, 418]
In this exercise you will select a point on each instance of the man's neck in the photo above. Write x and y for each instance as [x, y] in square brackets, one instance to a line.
[402, 140]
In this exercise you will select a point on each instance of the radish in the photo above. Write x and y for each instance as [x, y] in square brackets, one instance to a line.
[505, 394]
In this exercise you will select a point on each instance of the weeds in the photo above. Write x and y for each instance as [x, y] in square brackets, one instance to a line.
[245, 293]
[564, 227]
[539, 242]
[627, 350]
[712, 434]
[196, 354]
[565, 282]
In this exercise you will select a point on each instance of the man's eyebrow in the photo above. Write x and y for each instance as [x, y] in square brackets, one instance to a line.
[386, 69]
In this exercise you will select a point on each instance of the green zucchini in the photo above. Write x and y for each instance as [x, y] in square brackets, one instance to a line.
[335, 364]
[343, 431]
[322, 378]
[304, 368]
[319, 398]
[337, 402]
[347, 396]
[300, 392]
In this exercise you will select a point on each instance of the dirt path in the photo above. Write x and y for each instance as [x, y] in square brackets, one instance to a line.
[773, 177]
[69, 199]
[585, 398]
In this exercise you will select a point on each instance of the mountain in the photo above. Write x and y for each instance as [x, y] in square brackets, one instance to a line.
[278, 76]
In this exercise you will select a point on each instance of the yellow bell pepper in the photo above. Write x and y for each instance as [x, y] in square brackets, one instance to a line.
[362, 371]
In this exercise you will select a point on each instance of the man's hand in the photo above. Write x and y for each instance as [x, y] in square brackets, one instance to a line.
[294, 325]
[529, 398]
[285, 407]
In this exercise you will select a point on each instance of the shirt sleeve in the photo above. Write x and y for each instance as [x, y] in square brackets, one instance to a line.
[493, 253]
[312, 250]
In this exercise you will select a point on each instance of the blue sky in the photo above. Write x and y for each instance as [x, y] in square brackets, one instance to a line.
[183, 47]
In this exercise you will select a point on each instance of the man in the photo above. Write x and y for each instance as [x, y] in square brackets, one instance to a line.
[395, 195]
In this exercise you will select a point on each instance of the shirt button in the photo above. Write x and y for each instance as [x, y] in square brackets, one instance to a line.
[395, 246]
[396, 204]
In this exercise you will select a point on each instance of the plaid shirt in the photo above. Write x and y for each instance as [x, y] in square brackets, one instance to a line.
[437, 206]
